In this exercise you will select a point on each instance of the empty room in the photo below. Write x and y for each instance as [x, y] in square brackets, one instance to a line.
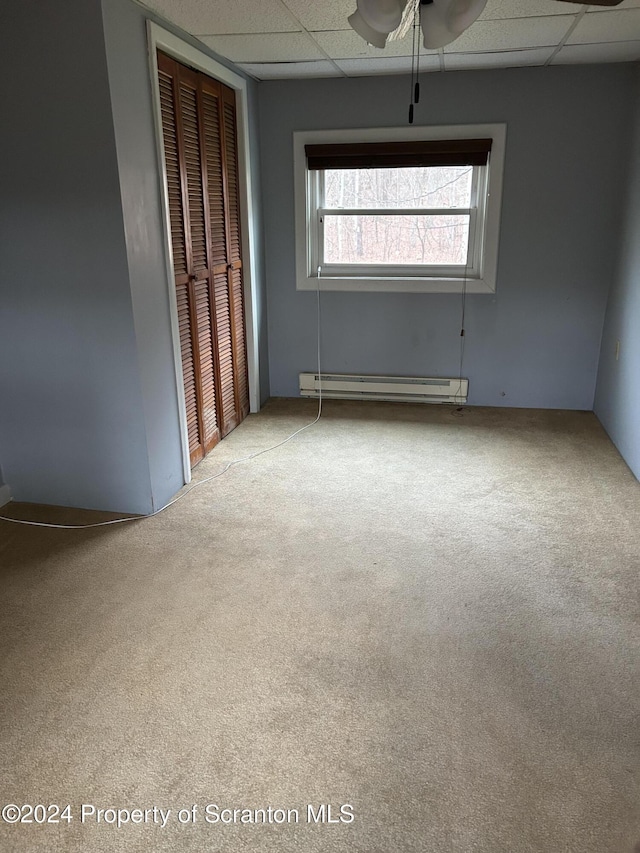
[320, 426]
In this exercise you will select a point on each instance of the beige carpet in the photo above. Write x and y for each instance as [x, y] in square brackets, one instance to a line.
[431, 615]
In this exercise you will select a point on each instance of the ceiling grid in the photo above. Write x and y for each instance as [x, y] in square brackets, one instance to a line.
[278, 39]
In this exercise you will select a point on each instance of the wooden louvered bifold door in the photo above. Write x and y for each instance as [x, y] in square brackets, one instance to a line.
[202, 182]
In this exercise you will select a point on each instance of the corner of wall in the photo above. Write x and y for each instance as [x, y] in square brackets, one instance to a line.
[617, 396]
[5, 495]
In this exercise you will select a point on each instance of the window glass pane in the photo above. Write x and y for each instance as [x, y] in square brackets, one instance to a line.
[424, 186]
[408, 239]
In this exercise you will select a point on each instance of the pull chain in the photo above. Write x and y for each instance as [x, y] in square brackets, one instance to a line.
[415, 57]
[414, 75]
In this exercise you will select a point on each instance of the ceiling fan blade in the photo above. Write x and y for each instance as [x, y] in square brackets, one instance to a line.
[594, 2]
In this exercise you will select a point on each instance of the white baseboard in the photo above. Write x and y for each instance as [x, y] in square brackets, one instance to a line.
[5, 495]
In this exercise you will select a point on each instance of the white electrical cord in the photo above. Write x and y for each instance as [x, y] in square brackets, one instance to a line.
[463, 331]
[200, 482]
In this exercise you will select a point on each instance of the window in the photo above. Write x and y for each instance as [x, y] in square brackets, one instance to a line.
[398, 214]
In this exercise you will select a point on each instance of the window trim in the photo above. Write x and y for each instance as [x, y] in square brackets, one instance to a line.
[306, 238]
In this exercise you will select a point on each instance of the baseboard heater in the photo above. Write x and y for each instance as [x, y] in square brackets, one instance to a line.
[403, 389]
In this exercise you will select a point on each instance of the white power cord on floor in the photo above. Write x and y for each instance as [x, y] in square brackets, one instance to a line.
[200, 482]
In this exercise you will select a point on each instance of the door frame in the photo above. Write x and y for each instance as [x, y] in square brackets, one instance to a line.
[161, 39]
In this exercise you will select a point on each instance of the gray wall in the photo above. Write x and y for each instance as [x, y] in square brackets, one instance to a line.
[72, 426]
[618, 391]
[130, 90]
[536, 342]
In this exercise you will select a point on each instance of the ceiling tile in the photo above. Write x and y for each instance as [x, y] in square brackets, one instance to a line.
[296, 70]
[386, 65]
[212, 17]
[327, 15]
[269, 47]
[499, 59]
[348, 45]
[497, 9]
[620, 51]
[615, 25]
[513, 34]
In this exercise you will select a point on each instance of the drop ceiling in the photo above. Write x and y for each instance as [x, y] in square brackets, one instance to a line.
[276, 39]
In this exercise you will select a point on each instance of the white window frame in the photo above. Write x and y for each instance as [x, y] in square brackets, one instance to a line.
[480, 274]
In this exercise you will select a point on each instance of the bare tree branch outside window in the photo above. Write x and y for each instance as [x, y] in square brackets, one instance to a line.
[419, 238]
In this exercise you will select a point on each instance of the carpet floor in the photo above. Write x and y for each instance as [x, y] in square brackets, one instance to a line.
[425, 618]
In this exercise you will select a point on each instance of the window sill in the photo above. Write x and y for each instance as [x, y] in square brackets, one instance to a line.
[396, 285]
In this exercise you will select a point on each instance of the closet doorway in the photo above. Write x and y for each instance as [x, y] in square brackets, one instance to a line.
[199, 132]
